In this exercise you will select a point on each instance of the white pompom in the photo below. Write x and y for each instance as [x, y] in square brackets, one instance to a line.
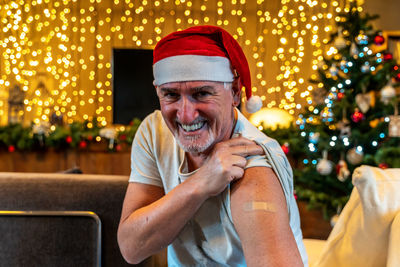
[253, 104]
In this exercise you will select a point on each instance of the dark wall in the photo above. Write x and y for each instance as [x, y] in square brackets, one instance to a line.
[133, 92]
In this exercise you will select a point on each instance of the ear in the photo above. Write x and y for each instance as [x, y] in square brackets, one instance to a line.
[157, 88]
[236, 91]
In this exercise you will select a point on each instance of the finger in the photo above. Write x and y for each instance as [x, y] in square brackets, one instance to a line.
[238, 141]
[238, 161]
[247, 150]
[236, 173]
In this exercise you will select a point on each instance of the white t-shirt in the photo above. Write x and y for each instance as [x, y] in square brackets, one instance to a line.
[209, 238]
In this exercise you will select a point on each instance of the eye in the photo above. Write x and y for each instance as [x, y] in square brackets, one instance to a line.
[170, 96]
[202, 94]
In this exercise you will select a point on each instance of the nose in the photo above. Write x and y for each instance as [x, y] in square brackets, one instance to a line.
[187, 110]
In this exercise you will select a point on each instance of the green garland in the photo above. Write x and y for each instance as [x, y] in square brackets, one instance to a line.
[77, 135]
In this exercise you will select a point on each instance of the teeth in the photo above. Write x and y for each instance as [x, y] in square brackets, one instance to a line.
[192, 127]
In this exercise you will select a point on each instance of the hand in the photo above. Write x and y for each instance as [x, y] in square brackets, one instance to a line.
[226, 163]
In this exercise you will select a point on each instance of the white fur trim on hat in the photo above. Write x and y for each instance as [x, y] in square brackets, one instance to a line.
[192, 68]
[253, 104]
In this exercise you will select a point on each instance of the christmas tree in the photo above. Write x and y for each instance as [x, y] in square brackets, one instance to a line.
[354, 118]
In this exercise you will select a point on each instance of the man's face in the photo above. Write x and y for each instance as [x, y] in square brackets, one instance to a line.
[198, 113]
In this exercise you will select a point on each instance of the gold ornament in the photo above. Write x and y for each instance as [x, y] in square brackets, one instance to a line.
[394, 126]
[355, 156]
[363, 101]
[374, 123]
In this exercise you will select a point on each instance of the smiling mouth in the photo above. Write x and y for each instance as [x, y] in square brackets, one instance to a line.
[192, 127]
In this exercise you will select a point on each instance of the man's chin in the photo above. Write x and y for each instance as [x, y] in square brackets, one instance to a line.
[192, 148]
[193, 145]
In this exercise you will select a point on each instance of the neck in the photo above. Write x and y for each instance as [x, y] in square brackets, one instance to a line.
[196, 160]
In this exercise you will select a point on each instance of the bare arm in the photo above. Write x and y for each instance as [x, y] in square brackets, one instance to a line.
[151, 220]
[261, 219]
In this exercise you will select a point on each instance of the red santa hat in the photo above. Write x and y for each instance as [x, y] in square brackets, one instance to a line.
[203, 53]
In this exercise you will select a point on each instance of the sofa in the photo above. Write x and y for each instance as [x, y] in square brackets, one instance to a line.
[59, 219]
[62, 220]
[56, 219]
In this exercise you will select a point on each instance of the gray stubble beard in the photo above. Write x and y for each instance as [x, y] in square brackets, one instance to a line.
[193, 147]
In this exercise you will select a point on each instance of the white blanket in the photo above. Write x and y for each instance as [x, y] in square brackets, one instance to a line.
[367, 233]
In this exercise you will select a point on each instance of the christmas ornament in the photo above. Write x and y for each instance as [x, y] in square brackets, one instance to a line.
[357, 116]
[383, 165]
[354, 50]
[82, 144]
[379, 40]
[122, 137]
[118, 147]
[324, 166]
[68, 139]
[340, 42]
[363, 101]
[340, 95]
[342, 170]
[11, 148]
[355, 156]
[394, 126]
[387, 93]
[374, 123]
[285, 148]
[397, 77]
[333, 70]
[314, 138]
[334, 220]
[387, 56]
[372, 98]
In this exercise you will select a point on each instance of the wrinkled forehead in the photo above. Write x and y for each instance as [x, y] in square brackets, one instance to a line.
[193, 84]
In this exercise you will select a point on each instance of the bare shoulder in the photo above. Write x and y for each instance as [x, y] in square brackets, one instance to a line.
[258, 183]
[261, 218]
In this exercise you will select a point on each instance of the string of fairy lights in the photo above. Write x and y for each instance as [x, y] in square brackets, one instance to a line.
[59, 52]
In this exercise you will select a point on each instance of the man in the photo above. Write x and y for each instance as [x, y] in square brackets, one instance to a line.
[204, 181]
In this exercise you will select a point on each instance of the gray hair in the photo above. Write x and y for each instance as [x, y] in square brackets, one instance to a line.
[227, 85]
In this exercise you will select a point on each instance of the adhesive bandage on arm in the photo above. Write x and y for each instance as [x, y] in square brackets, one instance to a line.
[259, 205]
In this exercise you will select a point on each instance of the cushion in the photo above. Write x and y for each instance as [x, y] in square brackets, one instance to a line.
[394, 243]
[362, 233]
[313, 248]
